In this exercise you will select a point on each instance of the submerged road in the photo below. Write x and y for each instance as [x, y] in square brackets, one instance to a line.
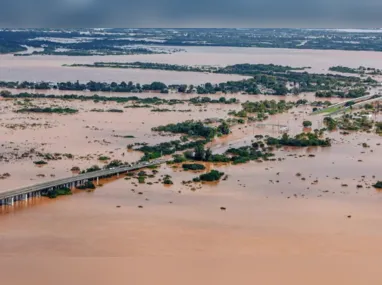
[9, 196]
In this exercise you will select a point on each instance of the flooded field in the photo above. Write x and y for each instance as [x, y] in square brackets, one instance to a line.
[311, 217]
[299, 228]
[49, 68]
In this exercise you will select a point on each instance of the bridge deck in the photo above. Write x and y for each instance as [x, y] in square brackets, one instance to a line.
[68, 180]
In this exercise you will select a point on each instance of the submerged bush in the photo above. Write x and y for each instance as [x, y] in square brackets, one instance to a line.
[213, 175]
[193, 166]
[58, 192]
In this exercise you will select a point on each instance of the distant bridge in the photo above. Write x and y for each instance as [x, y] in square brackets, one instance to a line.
[332, 108]
[280, 127]
[36, 190]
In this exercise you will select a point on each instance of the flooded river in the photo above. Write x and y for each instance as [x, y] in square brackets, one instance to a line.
[291, 221]
[49, 68]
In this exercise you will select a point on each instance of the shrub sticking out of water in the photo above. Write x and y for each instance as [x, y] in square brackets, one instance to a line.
[103, 158]
[58, 192]
[167, 180]
[40, 162]
[86, 185]
[378, 185]
[213, 175]
[193, 166]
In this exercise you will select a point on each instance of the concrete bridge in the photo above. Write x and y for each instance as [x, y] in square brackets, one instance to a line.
[363, 99]
[36, 190]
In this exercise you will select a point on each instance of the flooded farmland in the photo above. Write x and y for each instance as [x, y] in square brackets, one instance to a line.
[49, 68]
[293, 215]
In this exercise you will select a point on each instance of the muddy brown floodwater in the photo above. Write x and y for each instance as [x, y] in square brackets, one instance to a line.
[49, 68]
[276, 227]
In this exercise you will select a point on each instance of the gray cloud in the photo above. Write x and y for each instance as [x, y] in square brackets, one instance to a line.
[191, 13]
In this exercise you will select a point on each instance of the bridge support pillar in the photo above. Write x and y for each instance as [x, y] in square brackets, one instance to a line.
[97, 181]
[11, 201]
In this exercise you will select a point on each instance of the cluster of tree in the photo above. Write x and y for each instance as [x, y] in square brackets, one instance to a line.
[268, 83]
[270, 76]
[193, 166]
[57, 110]
[265, 107]
[166, 148]
[54, 193]
[40, 162]
[307, 124]
[86, 185]
[95, 98]
[167, 180]
[147, 65]
[243, 69]
[359, 70]
[233, 155]
[344, 69]
[378, 185]
[221, 100]
[90, 86]
[213, 175]
[194, 128]
[378, 127]
[113, 163]
[350, 122]
[352, 93]
[248, 153]
[330, 123]
[300, 140]
[91, 169]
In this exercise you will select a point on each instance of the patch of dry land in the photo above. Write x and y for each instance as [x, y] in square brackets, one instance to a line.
[305, 215]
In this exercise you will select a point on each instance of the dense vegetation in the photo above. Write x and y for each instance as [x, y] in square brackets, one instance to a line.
[243, 69]
[307, 124]
[300, 140]
[49, 110]
[360, 70]
[91, 169]
[194, 128]
[351, 122]
[233, 155]
[330, 123]
[117, 41]
[264, 108]
[265, 79]
[378, 127]
[166, 148]
[213, 175]
[40, 162]
[378, 185]
[147, 65]
[86, 185]
[57, 192]
[352, 93]
[193, 166]
[95, 98]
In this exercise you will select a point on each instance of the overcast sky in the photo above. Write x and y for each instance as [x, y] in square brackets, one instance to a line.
[191, 13]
